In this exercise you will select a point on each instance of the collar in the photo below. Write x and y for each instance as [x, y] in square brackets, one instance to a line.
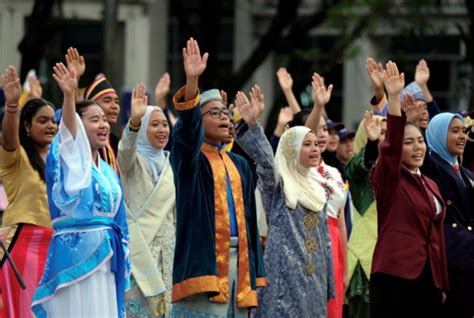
[212, 148]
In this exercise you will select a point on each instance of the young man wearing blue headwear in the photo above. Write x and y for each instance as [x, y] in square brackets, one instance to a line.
[218, 262]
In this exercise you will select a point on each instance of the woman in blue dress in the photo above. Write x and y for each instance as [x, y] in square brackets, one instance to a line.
[298, 256]
[88, 266]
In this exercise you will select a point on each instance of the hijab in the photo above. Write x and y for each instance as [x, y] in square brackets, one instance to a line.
[156, 158]
[437, 134]
[298, 185]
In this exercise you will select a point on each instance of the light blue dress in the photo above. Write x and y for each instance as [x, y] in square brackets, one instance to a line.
[298, 256]
[89, 222]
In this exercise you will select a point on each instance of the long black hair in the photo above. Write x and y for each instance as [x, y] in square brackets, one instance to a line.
[27, 113]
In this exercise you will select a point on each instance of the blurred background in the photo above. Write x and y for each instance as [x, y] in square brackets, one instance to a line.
[248, 40]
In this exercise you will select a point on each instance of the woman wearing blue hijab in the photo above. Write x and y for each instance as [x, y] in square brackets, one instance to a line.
[149, 195]
[446, 141]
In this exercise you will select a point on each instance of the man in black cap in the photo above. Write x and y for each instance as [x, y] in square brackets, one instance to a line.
[345, 149]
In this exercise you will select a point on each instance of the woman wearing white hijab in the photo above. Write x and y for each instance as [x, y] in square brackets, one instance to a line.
[149, 194]
[298, 257]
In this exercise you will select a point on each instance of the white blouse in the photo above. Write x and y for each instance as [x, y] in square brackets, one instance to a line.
[336, 193]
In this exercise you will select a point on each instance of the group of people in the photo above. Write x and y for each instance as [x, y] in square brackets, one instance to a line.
[204, 216]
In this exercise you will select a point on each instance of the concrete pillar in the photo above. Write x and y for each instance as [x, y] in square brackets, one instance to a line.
[158, 48]
[11, 33]
[137, 49]
[357, 87]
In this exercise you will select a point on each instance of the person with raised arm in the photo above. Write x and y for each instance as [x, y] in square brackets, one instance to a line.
[446, 139]
[361, 244]
[162, 90]
[218, 262]
[298, 253]
[88, 266]
[286, 83]
[149, 194]
[336, 193]
[26, 224]
[409, 268]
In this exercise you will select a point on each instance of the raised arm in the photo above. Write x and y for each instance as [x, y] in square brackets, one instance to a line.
[422, 75]
[286, 84]
[321, 96]
[387, 169]
[67, 81]
[188, 133]
[194, 66]
[76, 62]
[128, 144]
[394, 83]
[376, 76]
[162, 90]
[284, 117]
[11, 120]
[254, 142]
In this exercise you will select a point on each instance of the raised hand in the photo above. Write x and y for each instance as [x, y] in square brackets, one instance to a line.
[257, 100]
[224, 98]
[65, 78]
[422, 73]
[284, 78]
[412, 110]
[75, 62]
[194, 63]
[162, 88]
[372, 127]
[375, 71]
[321, 94]
[394, 81]
[285, 116]
[36, 91]
[138, 105]
[11, 88]
[247, 110]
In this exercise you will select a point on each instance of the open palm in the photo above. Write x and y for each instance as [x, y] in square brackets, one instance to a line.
[75, 61]
[65, 78]
[246, 109]
[321, 94]
[11, 85]
[139, 102]
[194, 63]
[394, 81]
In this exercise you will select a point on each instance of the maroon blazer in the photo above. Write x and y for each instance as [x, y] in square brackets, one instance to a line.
[409, 231]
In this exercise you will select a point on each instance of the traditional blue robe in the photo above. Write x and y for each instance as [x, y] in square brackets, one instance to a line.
[88, 218]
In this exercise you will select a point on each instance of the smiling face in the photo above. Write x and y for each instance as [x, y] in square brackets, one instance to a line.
[323, 135]
[424, 115]
[42, 127]
[345, 150]
[96, 126]
[309, 153]
[414, 148]
[456, 138]
[110, 104]
[158, 130]
[216, 127]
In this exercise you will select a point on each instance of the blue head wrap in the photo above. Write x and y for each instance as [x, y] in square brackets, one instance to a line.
[437, 133]
[156, 158]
